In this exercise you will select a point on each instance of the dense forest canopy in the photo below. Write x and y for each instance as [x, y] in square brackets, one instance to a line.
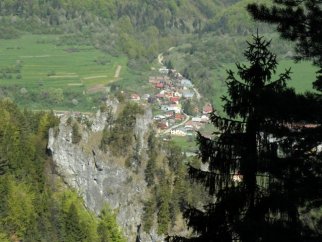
[183, 16]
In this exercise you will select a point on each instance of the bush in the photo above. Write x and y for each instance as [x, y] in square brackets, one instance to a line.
[76, 134]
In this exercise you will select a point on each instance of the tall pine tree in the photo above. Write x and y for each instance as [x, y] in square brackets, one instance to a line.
[299, 21]
[258, 172]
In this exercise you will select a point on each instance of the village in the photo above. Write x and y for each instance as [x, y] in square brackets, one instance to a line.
[170, 91]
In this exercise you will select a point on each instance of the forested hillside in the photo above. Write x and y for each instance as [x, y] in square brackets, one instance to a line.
[138, 28]
[34, 203]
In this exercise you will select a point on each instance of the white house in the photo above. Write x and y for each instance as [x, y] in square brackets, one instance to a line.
[196, 119]
[164, 70]
[178, 132]
[174, 107]
[204, 119]
[186, 83]
[187, 94]
[159, 117]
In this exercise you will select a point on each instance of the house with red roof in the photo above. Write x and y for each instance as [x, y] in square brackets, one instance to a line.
[163, 125]
[174, 100]
[189, 125]
[170, 114]
[159, 85]
[179, 117]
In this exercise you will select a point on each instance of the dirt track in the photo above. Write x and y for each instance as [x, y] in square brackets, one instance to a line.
[117, 72]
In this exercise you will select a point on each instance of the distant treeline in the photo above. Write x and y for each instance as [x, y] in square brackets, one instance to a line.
[183, 14]
[138, 28]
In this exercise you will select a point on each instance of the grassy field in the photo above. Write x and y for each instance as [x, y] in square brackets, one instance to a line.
[57, 66]
[43, 65]
[302, 76]
[188, 144]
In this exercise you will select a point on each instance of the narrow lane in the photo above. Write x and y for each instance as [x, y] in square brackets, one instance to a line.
[176, 126]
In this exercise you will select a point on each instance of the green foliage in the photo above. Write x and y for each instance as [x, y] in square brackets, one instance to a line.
[120, 137]
[151, 167]
[8, 32]
[76, 133]
[188, 107]
[256, 105]
[3, 237]
[171, 190]
[73, 227]
[33, 206]
[20, 213]
[149, 214]
[69, 120]
[164, 196]
[105, 139]
[174, 156]
[150, 171]
[107, 228]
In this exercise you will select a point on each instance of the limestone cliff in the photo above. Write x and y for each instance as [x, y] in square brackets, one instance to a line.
[98, 176]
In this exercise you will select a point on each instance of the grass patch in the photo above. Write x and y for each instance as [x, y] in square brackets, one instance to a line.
[302, 76]
[187, 143]
[43, 65]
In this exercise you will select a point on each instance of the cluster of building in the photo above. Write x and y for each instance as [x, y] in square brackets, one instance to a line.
[171, 89]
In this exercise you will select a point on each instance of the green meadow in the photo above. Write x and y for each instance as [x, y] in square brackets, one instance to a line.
[37, 64]
[187, 143]
[302, 76]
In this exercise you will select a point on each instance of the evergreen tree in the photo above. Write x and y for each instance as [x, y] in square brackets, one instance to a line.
[174, 156]
[148, 215]
[298, 21]
[76, 135]
[74, 230]
[180, 191]
[151, 166]
[3, 164]
[107, 229]
[164, 196]
[259, 174]
[150, 171]
[105, 138]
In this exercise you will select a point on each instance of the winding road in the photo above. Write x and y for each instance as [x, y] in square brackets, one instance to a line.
[160, 56]
[177, 125]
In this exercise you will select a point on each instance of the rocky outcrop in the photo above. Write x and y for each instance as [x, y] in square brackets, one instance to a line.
[99, 121]
[99, 178]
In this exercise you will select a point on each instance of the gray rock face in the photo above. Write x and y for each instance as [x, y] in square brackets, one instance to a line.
[100, 179]
[100, 119]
